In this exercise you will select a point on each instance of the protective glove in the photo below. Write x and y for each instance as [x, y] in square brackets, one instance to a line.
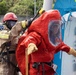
[31, 48]
[29, 22]
[26, 23]
[72, 52]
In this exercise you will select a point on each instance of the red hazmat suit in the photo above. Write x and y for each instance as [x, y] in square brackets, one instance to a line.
[38, 34]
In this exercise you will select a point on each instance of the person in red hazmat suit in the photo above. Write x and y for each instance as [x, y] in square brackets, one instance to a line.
[41, 41]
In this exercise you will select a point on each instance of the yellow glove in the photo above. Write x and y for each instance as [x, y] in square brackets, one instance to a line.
[24, 23]
[72, 52]
[31, 48]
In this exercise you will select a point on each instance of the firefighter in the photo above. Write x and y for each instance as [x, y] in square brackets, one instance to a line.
[40, 45]
[14, 30]
[6, 68]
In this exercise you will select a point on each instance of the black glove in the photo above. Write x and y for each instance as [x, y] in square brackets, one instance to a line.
[29, 22]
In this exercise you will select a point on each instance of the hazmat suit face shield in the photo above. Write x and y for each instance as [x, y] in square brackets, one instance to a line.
[54, 32]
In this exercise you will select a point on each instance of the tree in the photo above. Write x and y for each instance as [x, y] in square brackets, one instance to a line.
[3, 7]
[20, 7]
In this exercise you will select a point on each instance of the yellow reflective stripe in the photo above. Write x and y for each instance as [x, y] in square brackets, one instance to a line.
[4, 36]
[24, 24]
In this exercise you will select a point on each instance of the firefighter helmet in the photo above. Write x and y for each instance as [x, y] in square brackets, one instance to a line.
[9, 20]
[9, 16]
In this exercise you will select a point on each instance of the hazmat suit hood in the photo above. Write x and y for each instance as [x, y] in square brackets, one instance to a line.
[41, 24]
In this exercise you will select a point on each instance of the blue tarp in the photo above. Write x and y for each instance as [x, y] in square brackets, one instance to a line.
[65, 6]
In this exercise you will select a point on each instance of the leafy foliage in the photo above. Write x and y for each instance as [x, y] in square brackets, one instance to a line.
[20, 7]
[3, 7]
